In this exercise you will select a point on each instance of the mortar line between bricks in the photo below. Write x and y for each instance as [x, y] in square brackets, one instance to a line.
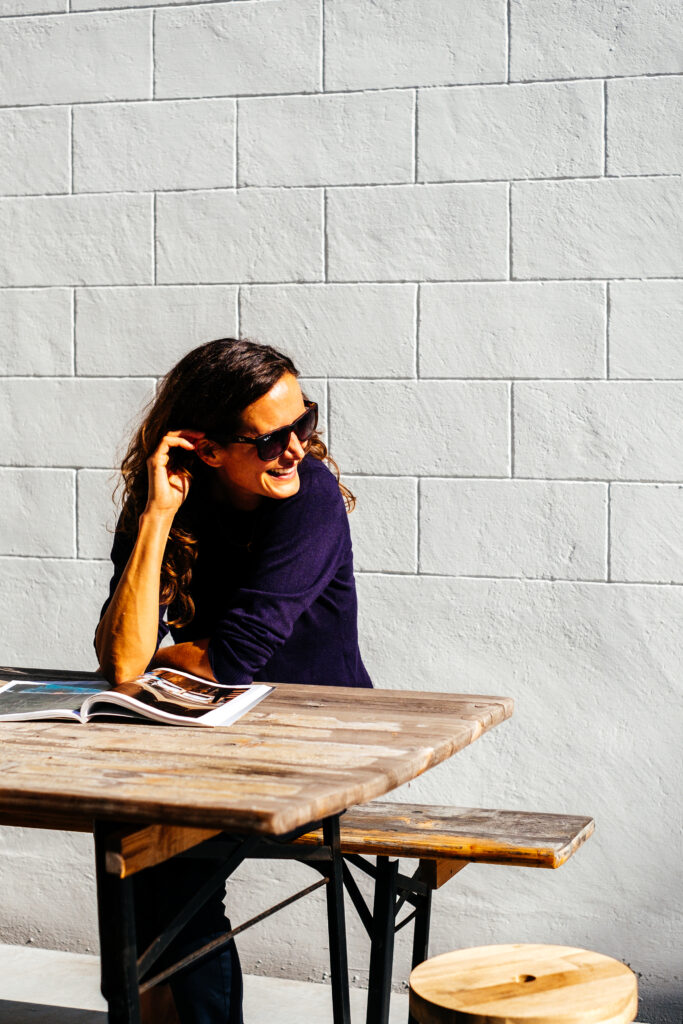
[325, 239]
[154, 239]
[369, 282]
[508, 39]
[378, 475]
[322, 45]
[345, 283]
[74, 314]
[176, 8]
[548, 580]
[342, 187]
[608, 314]
[238, 310]
[418, 526]
[604, 128]
[418, 311]
[76, 512]
[415, 136]
[235, 143]
[153, 69]
[608, 566]
[71, 150]
[123, 377]
[512, 429]
[328, 414]
[509, 227]
[118, 378]
[389, 573]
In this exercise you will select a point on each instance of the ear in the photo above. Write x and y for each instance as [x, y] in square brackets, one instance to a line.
[209, 452]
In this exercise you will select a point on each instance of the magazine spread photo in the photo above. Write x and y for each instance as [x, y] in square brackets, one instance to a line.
[162, 695]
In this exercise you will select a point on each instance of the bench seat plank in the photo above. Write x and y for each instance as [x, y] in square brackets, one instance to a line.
[470, 834]
[461, 833]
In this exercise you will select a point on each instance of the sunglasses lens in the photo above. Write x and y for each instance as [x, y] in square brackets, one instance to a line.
[272, 446]
[307, 424]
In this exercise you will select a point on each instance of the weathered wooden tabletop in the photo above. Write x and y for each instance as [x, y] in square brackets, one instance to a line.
[302, 754]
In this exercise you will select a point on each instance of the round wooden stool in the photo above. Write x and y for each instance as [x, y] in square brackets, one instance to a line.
[523, 984]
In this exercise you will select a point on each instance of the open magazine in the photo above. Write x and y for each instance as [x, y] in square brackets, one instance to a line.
[162, 695]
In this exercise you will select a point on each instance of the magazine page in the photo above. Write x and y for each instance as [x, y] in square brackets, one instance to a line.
[22, 700]
[173, 696]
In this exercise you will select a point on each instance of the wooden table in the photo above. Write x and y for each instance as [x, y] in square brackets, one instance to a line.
[303, 756]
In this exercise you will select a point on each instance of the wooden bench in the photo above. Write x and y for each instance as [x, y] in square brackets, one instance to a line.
[443, 840]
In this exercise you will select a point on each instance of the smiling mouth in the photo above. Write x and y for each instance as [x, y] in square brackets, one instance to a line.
[282, 473]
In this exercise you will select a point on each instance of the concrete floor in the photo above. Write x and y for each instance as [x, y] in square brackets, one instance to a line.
[43, 986]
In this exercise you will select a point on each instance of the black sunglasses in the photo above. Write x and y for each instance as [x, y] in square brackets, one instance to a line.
[271, 446]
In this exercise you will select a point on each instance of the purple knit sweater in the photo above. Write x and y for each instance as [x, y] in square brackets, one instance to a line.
[273, 588]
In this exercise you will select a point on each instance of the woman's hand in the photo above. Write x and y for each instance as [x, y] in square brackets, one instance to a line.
[167, 487]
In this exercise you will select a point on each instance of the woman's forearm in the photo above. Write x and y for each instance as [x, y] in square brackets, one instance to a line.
[126, 637]
[190, 657]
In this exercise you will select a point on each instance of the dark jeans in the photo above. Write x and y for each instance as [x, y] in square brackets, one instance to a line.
[210, 993]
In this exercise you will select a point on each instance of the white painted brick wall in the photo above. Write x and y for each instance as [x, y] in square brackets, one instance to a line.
[646, 326]
[513, 329]
[645, 126]
[598, 228]
[429, 427]
[464, 221]
[589, 39]
[243, 235]
[139, 147]
[428, 232]
[517, 528]
[104, 239]
[118, 330]
[339, 139]
[380, 44]
[337, 330]
[36, 331]
[548, 130]
[598, 430]
[660, 506]
[228, 49]
[76, 60]
[34, 159]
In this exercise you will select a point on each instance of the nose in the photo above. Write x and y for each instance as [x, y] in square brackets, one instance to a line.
[294, 449]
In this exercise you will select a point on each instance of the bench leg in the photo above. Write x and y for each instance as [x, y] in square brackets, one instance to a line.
[423, 915]
[382, 942]
[336, 925]
[117, 939]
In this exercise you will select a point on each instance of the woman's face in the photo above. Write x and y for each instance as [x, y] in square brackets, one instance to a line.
[241, 475]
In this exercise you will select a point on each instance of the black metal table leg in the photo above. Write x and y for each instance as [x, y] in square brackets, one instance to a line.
[336, 925]
[117, 938]
[421, 935]
[382, 942]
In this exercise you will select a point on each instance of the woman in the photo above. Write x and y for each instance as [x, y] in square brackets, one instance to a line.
[233, 536]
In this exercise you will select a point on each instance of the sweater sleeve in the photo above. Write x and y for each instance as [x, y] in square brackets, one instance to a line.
[301, 545]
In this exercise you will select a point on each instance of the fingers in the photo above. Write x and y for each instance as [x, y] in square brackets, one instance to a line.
[176, 439]
[185, 433]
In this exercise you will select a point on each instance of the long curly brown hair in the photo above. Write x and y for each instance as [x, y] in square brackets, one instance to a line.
[207, 390]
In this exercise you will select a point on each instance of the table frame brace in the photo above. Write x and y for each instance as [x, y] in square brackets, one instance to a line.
[125, 975]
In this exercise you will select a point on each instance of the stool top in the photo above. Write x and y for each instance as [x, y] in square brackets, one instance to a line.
[532, 984]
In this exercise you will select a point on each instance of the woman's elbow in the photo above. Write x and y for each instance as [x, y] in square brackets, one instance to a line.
[117, 666]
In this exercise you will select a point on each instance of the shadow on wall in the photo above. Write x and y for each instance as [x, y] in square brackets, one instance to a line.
[665, 1010]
